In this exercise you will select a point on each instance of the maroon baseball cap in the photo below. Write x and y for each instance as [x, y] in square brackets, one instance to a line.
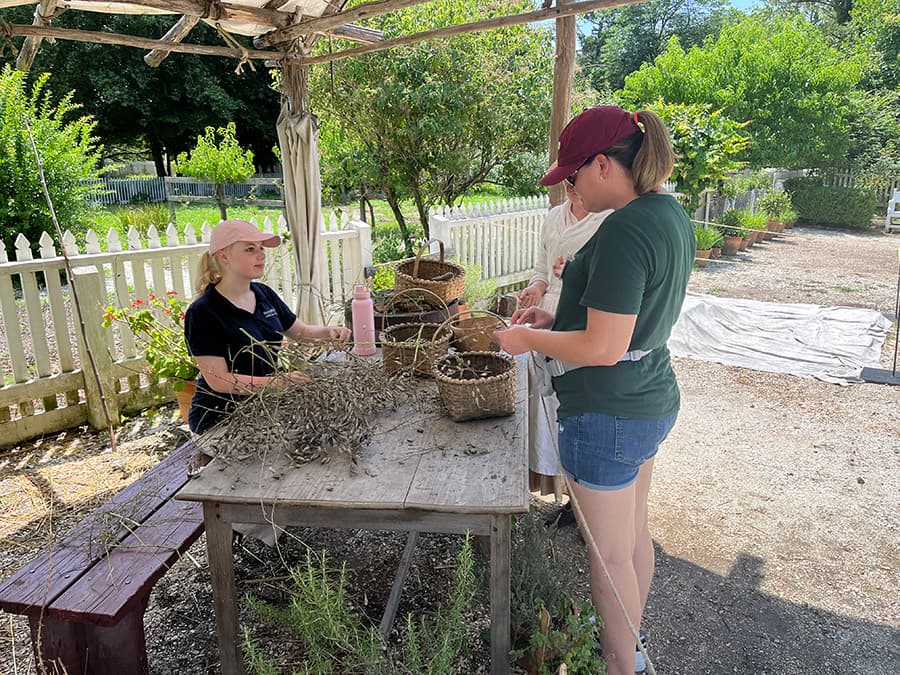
[593, 132]
[229, 232]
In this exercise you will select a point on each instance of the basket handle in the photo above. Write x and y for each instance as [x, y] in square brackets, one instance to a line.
[419, 255]
[411, 291]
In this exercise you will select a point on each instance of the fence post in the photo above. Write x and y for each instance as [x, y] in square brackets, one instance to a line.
[364, 230]
[440, 229]
[91, 298]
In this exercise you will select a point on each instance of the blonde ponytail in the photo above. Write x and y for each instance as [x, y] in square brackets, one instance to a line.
[648, 154]
[209, 272]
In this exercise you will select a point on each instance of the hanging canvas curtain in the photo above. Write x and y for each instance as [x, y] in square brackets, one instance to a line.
[297, 136]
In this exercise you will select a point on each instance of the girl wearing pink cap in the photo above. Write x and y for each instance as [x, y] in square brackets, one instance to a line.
[606, 350]
[236, 325]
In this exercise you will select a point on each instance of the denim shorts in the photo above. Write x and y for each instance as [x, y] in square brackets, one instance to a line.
[605, 452]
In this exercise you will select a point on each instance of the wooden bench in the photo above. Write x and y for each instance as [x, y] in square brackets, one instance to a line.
[85, 597]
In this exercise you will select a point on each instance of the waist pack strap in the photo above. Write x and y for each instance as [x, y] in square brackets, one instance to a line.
[557, 368]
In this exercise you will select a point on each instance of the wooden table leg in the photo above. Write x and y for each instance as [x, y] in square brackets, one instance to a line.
[221, 569]
[500, 545]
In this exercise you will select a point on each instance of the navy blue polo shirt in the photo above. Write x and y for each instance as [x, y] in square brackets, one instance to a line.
[249, 343]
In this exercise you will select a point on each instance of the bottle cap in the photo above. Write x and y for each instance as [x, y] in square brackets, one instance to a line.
[361, 292]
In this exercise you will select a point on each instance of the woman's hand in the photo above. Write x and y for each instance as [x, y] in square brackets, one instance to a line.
[531, 296]
[533, 316]
[558, 266]
[514, 340]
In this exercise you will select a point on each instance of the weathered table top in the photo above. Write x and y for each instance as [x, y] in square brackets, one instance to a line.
[418, 459]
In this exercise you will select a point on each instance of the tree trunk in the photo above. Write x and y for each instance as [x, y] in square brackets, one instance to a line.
[220, 200]
[157, 151]
[394, 203]
[423, 211]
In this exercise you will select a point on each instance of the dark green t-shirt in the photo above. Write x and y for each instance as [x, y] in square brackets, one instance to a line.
[638, 262]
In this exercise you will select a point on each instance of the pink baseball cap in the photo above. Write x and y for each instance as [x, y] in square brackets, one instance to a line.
[229, 232]
[593, 132]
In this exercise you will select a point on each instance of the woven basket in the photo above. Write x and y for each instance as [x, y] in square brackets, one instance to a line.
[413, 347]
[474, 385]
[446, 280]
[473, 333]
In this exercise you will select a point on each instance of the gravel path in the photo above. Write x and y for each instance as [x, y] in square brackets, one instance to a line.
[774, 506]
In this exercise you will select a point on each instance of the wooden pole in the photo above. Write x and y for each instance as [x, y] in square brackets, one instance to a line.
[139, 42]
[42, 14]
[563, 70]
[176, 33]
[462, 29]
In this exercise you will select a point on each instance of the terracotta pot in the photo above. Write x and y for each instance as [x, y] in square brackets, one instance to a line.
[745, 242]
[731, 245]
[715, 252]
[184, 399]
[775, 226]
[702, 258]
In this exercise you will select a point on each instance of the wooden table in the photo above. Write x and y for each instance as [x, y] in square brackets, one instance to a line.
[421, 472]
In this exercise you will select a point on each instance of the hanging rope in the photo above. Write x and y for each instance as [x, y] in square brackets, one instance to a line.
[234, 44]
[7, 36]
[579, 514]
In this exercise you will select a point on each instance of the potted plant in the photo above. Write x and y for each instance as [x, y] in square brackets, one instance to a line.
[776, 204]
[755, 223]
[158, 324]
[732, 232]
[706, 237]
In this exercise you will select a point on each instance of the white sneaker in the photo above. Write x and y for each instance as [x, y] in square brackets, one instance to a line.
[640, 665]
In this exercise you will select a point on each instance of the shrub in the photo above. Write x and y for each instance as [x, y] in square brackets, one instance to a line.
[817, 204]
[141, 218]
[68, 151]
[707, 237]
[776, 204]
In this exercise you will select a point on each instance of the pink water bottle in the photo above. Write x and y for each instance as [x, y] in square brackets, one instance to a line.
[363, 311]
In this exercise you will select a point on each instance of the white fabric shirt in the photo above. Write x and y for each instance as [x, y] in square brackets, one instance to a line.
[563, 235]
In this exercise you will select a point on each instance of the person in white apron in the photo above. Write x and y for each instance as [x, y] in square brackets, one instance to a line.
[567, 228]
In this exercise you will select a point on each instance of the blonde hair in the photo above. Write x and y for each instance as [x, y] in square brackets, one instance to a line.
[648, 154]
[209, 272]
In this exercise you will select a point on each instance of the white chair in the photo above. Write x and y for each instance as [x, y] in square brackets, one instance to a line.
[892, 221]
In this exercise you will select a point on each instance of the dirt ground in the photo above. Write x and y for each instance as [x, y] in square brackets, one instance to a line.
[774, 507]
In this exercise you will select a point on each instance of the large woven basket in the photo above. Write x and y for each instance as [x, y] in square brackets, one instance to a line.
[444, 279]
[474, 385]
[413, 347]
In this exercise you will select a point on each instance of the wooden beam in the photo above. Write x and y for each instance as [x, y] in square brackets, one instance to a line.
[563, 70]
[355, 33]
[326, 23]
[14, 3]
[139, 42]
[176, 33]
[463, 28]
[221, 11]
[42, 13]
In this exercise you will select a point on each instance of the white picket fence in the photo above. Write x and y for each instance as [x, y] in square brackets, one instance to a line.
[47, 382]
[501, 237]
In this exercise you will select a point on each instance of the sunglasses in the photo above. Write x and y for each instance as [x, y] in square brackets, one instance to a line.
[571, 179]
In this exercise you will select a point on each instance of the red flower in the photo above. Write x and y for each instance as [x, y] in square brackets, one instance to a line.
[152, 297]
[171, 292]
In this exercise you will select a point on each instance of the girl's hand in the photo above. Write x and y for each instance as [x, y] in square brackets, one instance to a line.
[531, 296]
[513, 340]
[533, 316]
[338, 335]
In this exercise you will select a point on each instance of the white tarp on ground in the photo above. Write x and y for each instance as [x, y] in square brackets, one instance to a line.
[829, 343]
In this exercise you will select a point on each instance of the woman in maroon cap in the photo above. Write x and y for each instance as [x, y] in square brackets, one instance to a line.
[235, 326]
[606, 349]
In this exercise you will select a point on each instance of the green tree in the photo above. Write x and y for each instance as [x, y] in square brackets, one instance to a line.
[708, 146]
[68, 150]
[620, 40]
[218, 161]
[779, 74]
[430, 121]
[144, 111]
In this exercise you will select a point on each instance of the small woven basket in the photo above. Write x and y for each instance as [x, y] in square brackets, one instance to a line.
[413, 347]
[444, 279]
[475, 385]
[473, 330]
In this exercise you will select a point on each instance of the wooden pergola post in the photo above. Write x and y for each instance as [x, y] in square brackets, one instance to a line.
[563, 71]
